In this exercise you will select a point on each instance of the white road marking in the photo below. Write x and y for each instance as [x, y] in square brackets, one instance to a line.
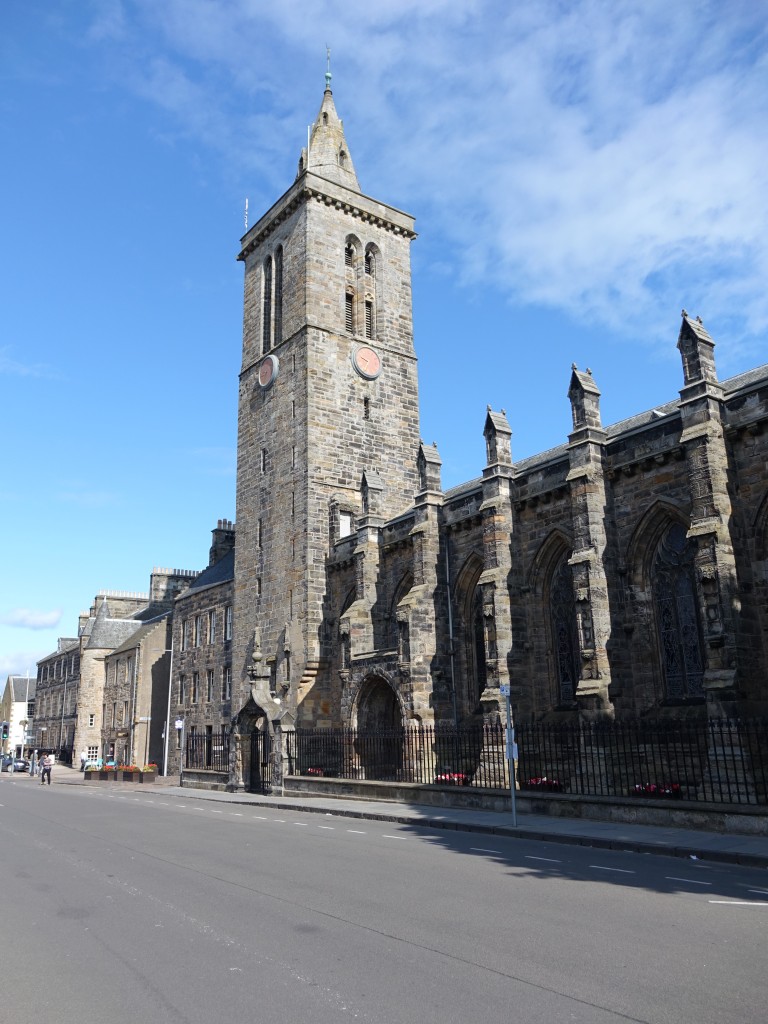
[481, 849]
[690, 881]
[214, 811]
[328, 827]
[620, 871]
[281, 820]
[356, 831]
[260, 817]
[762, 892]
[383, 836]
[549, 860]
[236, 814]
[303, 824]
[740, 903]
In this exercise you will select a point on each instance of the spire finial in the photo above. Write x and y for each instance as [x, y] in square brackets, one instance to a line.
[328, 69]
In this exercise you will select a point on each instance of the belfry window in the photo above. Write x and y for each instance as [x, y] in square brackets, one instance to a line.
[349, 255]
[349, 312]
[370, 264]
[565, 637]
[266, 323]
[674, 594]
[368, 318]
[278, 329]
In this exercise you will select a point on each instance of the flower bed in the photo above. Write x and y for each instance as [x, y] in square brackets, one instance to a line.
[452, 779]
[665, 790]
[553, 785]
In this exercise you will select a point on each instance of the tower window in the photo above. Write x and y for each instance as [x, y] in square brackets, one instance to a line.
[263, 460]
[266, 326]
[342, 158]
[370, 264]
[278, 331]
[349, 255]
[366, 408]
[349, 312]
[368, 318]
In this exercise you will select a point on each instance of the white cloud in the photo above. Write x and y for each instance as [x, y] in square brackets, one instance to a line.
[18, 663]
[610, 160]
[30, 618]
[15, 368]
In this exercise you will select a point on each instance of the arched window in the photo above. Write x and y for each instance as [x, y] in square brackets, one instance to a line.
[349, 312]
[565, 637]
[349, 255]
[677, 617]
[278, 332]
[477, 645]
[266, 322]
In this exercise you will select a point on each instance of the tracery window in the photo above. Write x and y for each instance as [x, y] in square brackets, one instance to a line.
[565, 636]
[674, 594]
[477, 645]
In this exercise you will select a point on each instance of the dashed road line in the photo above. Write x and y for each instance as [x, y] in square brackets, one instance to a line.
[740, 903]
[689, 881]
[548, 860]
[620, 871]
[356, 831]
[482, 849]
[329, 827]
[384, 836]
[303, 824]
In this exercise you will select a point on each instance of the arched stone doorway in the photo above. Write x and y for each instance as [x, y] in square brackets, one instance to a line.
[380, 739]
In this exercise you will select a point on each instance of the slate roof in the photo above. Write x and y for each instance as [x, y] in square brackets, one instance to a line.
[142, 632]
[222, 571]
[22, 682]
[107, 634]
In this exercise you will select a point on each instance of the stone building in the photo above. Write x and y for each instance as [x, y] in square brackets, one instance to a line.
[623, 573]
[135, 705]
[201, 689]
[70, 680]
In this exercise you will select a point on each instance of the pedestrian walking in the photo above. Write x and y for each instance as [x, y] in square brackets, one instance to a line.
[47, 763]
[83, 759]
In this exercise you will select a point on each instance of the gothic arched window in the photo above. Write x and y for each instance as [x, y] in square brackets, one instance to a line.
[477, 645]
[266, 323]
[677, 617]
[565, 636]
[278, 331]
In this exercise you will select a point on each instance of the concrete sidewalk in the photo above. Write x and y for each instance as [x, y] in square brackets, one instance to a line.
[725, 848]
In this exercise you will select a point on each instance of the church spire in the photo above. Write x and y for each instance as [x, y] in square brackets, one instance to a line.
[328, 153]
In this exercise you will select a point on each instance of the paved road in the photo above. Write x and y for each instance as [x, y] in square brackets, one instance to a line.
[143, 907]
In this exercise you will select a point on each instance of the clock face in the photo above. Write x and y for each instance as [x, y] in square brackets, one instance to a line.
[366, 362]
[268, 371]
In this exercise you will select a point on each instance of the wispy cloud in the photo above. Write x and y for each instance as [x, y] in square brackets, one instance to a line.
[606, 159]
[18, 663]
[31, 618]
[15, 368]
[87, 498]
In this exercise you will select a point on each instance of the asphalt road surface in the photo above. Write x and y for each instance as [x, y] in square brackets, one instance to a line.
[153, 908]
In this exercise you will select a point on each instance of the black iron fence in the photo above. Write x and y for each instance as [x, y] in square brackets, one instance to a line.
[719, 760]
[427, 754]
[722, 761]
[208, 750]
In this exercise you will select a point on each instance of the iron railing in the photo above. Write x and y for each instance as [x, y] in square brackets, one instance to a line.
[208, 750]
[426, 754]
[717, 760]
[721, 760]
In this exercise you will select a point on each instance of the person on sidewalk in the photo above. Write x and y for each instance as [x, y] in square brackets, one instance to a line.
[47, 762]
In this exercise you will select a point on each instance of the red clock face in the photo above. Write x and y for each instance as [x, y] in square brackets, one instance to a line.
[268, 371]
[367, 362]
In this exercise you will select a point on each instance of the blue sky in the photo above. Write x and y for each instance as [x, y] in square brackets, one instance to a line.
[578, 172]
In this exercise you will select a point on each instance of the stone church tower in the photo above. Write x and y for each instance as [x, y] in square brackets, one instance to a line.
[328, 430]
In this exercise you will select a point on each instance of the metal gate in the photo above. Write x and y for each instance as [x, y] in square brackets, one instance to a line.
[261, 762]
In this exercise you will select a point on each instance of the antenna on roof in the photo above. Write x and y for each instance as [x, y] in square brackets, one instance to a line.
[328, 68]
[246, 213]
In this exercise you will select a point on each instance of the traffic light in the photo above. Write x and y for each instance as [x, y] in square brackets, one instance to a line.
[5, 730]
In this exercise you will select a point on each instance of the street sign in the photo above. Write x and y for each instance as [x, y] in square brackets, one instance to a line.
[504, 689]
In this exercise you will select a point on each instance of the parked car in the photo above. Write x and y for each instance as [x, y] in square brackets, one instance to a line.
[20, 764]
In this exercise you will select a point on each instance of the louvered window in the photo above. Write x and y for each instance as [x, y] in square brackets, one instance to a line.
[369, 264]
[348, 255]
[278, 333]
[368, 319]
[266, 326]
[349, 312]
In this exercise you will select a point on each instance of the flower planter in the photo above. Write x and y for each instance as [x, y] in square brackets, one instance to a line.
[146, 777]
[130, 776]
